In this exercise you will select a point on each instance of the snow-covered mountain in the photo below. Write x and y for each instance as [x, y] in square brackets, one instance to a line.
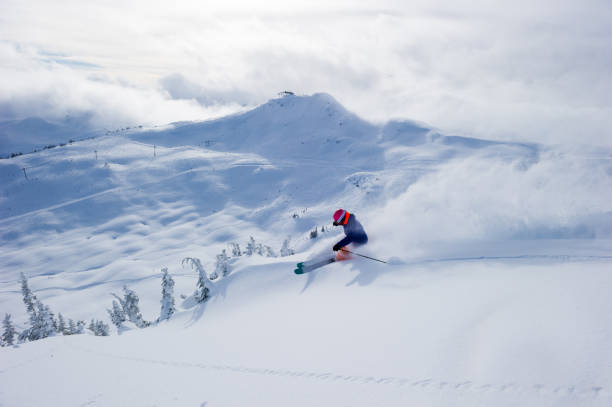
[497, 292]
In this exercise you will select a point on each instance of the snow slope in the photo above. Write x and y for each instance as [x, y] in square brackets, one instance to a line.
[497, 295]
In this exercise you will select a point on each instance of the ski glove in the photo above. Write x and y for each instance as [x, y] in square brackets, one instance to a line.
[336, 247]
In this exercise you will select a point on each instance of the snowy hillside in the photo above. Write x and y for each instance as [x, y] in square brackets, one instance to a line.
[497, 292]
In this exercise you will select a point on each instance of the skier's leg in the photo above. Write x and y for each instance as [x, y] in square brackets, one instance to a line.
[320, 258]
[341, 255]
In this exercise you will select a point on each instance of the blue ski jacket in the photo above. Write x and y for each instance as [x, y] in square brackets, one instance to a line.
[354, 232]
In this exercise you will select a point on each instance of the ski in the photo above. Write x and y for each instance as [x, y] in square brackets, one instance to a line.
[308, 266]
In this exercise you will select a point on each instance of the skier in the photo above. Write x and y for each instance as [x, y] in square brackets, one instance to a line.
[355, 235]
[353, 230]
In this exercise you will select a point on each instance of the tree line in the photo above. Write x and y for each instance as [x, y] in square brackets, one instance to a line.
[44, 323]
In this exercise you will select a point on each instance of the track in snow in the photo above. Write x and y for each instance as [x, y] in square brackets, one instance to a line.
[579, 393]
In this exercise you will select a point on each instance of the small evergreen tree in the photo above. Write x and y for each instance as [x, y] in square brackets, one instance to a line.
[314, 233]
[117, 315]
[42, 320]
[48, 326]
[203, 290]
[99, 328]
[251, 246]
[286, 250]
[61, 324]
[129, 304]
[269, 251]
[80, 327]
[167, 301]
[214, 275]
[8, 336]
[222, 265]
[42, 324]
[235, 249]
[72, 329]
[29, 299]
[24, 335]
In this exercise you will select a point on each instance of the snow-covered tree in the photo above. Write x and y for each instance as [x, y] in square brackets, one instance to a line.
[42, 320]
[235, 249]
[167, 301]
[29, 299]
[47, 324]
[269, 251]
[99, 328]
[80, 327]
[214, 275]
[314, 233]
[61, 324]
[117, 315]
[72, 328]
[42, 324]
[23, 335]
[251, 246]
[222, 264]
[254, 247]
[8, 336]
[286, 250]
[203, 290]
[129, 304]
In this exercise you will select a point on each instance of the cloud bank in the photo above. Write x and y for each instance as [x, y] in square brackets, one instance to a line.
[524, 71]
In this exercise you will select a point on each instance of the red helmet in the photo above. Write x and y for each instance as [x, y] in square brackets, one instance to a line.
[341, 217]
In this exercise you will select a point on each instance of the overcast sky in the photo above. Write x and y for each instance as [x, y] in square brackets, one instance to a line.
[522, 70]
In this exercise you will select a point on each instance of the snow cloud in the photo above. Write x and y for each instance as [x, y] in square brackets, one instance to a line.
[519, 71]
[558, 194]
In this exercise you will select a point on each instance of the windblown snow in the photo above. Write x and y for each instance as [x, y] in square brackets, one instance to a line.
[496, 291]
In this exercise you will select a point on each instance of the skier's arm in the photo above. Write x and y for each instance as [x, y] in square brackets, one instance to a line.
[342, 243]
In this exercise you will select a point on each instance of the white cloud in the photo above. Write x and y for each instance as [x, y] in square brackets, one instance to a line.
[530, 71]
[33, 86]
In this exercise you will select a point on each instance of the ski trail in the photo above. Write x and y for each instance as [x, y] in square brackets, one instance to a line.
[581, 393]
